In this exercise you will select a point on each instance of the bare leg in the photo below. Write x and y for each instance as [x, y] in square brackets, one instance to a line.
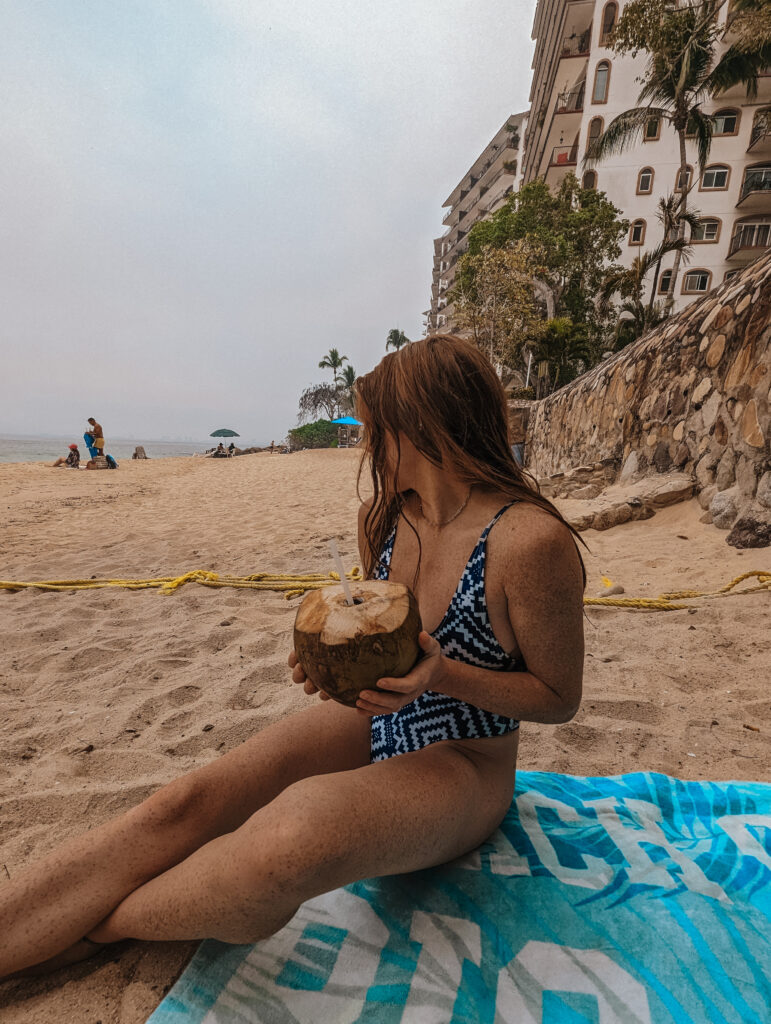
[57, 901]
[404, 814]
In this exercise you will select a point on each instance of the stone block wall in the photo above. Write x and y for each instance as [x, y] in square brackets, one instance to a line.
[694, 396]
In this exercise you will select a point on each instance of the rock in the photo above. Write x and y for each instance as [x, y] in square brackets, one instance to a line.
[705, 518]
[662, 460]
[615, 515]
[746, 476]
[715, 353]
[580, 520]
[710, 408]
[586, 492]
[763, 494]
[612, 590]
[725, 475]
[702, 390]
[659, 492]
[751, 530]
[705, 496]
[724, 508]
[750, 428]
[705, 471]
[629, 468]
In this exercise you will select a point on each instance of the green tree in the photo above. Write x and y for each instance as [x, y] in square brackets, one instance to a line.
[320, 434]
[670, 216]
[560, 352]
[345, 388]
[683, 69]
[572, 234]
[396, 339]
[494, 302]
[333, 361]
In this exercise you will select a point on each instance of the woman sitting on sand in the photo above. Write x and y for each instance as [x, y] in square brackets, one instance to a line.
[71, 461]
[424, 770]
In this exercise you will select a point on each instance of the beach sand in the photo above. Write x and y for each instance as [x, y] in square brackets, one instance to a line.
[105, 695]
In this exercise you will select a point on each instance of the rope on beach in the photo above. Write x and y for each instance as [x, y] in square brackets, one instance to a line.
[288, 584]
[670, 602]
[296, 585]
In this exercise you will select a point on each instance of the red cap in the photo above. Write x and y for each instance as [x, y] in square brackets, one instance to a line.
[73, 446]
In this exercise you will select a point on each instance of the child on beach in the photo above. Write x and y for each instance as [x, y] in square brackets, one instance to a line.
[422, 771]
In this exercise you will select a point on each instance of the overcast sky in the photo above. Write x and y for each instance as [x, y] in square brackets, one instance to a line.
[201, 197]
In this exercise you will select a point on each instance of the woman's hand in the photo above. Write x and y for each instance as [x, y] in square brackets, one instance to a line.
[299, 676]
[392, 694]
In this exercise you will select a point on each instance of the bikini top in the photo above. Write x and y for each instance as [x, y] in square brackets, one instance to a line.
[465, 632]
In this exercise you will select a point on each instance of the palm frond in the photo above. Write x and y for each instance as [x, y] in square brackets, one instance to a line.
[702, 127]
[739, 66]
[622, 132]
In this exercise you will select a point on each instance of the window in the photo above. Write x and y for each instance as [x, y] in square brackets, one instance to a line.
[725, 122]
[652, 130]
[752, 234]
[609, 16]
[715, 177]
[729, 274]
[684, 179]
[664, 281]
[601, 81]
[707, 230]
[637, 232]
[696, 281]
[645, 181]
[596, 126]
[590, 179]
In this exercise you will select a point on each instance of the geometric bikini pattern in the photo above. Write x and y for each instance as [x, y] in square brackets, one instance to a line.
[464, 634]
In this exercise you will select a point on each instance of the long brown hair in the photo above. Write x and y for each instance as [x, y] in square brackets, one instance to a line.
[443, 394]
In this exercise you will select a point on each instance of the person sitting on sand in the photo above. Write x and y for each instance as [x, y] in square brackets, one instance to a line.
[422, 770]
[71, 461]
[231, 449]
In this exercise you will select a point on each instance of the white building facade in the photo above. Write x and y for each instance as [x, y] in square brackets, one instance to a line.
[482, 190]
[579, 86]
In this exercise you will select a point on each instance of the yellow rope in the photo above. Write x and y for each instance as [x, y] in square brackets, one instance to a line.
[668, 602]
[288, 584]
[295, 585]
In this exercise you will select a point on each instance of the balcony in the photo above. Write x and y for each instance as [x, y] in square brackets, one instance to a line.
[760, 137]
[577, 45]
[572, 101]
[755, 193]
[564, 156]
[750, 239]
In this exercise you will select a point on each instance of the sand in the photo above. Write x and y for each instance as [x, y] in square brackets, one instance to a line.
[105, 695]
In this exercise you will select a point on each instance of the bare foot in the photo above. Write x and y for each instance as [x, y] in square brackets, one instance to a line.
[80, 950]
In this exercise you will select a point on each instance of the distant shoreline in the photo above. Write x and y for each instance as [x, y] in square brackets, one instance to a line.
[22, 449]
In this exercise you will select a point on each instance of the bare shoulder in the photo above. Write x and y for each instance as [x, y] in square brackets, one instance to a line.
[531, 541]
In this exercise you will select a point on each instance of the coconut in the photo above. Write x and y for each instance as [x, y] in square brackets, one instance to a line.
[345, 648]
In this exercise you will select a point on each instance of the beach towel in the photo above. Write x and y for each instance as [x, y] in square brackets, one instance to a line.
[635, 899]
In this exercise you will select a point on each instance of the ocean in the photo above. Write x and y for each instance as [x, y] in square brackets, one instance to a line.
[46, 449]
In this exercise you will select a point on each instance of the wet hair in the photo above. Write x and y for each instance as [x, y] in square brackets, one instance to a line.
[444, 395]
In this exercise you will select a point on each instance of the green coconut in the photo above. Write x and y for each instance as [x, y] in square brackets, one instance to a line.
[345, 649]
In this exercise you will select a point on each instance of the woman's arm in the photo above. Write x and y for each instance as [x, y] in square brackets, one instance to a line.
[544, 593]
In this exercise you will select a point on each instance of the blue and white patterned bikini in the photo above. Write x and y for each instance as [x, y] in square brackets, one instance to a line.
[465, 634]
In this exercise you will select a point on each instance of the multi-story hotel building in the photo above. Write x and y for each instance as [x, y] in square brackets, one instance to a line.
[579, 86]
[482, 190]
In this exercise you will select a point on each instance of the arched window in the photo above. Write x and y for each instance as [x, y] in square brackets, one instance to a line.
[596, 126]
[652, 130]
[589, 179]
[664, 281]
[609, 17]
[684, 179]
[715, 178]
[696, 282]
[725, 122]
[707, 230]
[637, 232]
[601, 82]
[645, 181]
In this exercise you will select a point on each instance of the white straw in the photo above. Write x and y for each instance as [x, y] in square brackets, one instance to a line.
[339, 566]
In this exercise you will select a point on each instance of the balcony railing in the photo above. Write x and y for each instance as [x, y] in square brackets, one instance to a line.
[572, 101]
[750, 237]
[576, 45]
[756, 180]
[761, 127]
[564, 156]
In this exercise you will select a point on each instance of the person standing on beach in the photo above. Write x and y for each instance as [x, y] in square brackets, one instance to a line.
[422, 771]
[98, 436]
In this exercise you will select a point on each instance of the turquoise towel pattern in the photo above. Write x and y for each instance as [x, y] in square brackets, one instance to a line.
[636, 899]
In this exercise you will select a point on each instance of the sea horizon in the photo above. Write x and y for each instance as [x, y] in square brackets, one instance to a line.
[47, 447]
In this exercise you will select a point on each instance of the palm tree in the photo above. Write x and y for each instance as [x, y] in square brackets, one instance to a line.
[563, 347]
[629, 284]
[333, 361]
[670, 216]
[682, 71]
[396, 339]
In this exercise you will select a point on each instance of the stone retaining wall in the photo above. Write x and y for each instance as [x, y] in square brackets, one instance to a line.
[693, 396]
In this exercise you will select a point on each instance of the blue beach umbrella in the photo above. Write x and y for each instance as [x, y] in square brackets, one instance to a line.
[348, 421]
